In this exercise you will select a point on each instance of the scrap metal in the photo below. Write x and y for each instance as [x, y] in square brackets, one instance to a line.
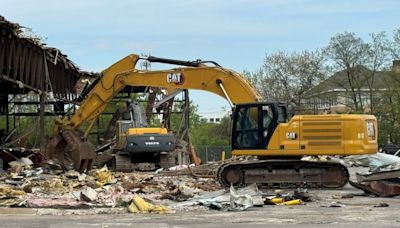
[383, 177]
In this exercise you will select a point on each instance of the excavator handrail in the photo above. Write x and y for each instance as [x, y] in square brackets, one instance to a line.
[196, 63]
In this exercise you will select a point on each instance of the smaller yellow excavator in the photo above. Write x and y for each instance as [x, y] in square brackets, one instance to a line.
[139, 146]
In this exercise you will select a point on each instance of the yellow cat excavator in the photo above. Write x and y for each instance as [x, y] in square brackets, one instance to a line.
[259, 128]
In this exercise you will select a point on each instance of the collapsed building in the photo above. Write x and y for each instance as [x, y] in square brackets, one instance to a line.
[28, 66]
[32, 74]
[44, 79]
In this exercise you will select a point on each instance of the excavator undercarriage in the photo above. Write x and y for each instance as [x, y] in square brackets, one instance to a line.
[283, 174]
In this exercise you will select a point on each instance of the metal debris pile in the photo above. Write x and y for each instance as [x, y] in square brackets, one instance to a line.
[382, 178]
[247, 197]
[383, 175]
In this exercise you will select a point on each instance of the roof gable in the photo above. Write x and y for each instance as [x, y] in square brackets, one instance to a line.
[340, 81]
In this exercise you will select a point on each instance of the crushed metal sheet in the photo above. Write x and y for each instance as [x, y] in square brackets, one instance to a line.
[386, 187]
[384, 175]
[382, 188]
[222, 200]
[376, 162]
[239, 202]
[32, 172]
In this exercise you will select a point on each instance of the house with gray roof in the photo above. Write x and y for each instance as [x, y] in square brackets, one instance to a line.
[340, 92]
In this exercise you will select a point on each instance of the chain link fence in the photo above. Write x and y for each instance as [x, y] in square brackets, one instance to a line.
[212, 153]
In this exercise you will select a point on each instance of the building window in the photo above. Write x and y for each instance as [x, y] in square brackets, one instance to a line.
[365, 100]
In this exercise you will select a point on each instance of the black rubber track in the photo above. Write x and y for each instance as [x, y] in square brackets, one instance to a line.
[237, 172]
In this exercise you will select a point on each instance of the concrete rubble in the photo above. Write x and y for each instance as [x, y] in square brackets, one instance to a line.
[49, 187]
[30, 185]
[181, 188]
[88, 194]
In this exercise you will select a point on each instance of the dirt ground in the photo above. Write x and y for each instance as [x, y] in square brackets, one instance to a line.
[358, 211]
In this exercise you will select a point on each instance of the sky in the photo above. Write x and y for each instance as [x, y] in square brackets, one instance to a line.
[237, 33]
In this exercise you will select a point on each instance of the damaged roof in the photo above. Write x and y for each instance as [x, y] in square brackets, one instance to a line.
[23, 68]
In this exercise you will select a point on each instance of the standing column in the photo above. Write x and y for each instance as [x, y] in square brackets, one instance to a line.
[41, 119]
[187, 112]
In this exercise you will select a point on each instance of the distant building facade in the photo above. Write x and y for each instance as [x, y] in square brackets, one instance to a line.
[336, 94]
[214, 117]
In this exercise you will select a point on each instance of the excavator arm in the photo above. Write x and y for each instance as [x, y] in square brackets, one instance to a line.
[215, 79]
[193, 75]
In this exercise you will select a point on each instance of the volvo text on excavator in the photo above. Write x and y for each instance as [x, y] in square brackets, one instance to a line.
[260, 128]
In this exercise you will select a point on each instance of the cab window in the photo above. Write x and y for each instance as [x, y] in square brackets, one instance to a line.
[247, 128]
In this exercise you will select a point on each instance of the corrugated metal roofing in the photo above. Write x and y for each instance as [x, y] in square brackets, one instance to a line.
[23, 63]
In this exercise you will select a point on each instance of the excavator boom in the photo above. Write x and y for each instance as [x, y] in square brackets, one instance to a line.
[194, 75]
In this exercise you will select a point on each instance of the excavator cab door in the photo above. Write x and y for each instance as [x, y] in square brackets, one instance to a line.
[282, 113]
[253, 125]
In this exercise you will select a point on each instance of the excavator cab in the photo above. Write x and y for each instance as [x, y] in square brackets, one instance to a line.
[254, 124]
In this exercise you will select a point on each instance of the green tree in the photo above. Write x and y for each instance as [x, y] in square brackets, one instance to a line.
[177, 117]
[213, 134]
[348, 52]
[377, 59]
[395, 44]
[286, 77]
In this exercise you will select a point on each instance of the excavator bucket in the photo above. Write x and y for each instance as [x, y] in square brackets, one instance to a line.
[70, 151]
